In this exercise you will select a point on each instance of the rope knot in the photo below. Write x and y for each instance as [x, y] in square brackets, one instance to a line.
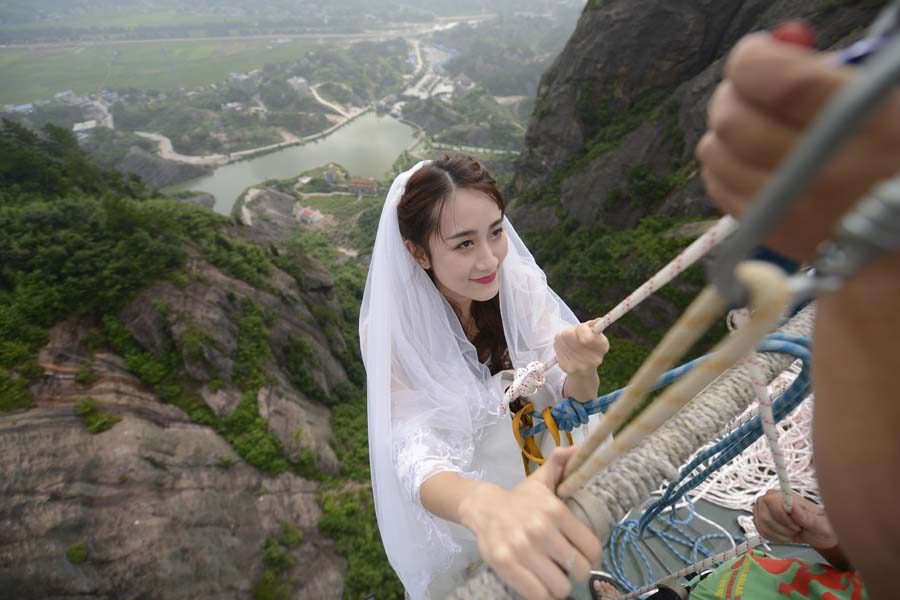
[528, 380]
[569, 414]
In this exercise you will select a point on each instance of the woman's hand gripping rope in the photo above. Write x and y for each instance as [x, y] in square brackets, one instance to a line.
[528, 536]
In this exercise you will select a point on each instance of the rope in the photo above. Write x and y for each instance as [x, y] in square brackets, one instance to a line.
[629, 534]
[571, 413]
[768, 424]
[740, 438]
[526, 378]
[769, 296]
[737, 485]
[706, 563]
[628, 482]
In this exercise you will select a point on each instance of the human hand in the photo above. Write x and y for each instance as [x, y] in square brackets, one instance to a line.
[805, 524]
[771, 92]
[528, 536]
[580, 350]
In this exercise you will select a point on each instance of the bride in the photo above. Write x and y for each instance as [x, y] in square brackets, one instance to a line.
[453, 297]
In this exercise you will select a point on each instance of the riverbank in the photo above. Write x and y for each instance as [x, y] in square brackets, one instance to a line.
[167, 152]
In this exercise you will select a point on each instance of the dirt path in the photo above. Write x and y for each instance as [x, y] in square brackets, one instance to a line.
[167, 152]
[335, 107]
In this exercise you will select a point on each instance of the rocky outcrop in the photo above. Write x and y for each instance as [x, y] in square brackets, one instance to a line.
[630, 90]
[210, 306]
[269, 214]
[165, 508]
[162, 510]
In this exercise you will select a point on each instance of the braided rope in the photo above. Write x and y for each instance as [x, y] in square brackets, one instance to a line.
[769, 296]
[626, 483]
[767, 418]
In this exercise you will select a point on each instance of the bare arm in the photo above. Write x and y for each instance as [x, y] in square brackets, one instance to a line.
[771, 94]
[857, 420]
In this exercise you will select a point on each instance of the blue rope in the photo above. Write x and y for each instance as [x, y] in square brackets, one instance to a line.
[741, 438]
[570, 413]
[670, 530]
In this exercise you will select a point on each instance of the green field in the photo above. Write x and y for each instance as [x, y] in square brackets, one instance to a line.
[30, 75]
[128, 21]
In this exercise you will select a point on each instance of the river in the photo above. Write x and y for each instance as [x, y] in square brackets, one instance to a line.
[367, 147]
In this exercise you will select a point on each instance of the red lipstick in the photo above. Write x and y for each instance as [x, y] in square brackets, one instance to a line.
[487, 279]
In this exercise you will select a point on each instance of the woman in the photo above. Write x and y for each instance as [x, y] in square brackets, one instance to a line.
[453, 297]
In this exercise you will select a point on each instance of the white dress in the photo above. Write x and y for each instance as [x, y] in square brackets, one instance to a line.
[496, 458]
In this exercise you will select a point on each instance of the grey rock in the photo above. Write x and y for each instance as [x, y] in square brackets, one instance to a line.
[622, 49]
[164, 512]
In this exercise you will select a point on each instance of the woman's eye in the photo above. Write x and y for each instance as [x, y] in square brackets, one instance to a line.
[464, 244]
[496, 233]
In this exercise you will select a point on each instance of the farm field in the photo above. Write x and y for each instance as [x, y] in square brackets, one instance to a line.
[34, 74]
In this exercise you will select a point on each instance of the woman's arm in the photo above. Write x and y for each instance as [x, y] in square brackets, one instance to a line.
[527, 535]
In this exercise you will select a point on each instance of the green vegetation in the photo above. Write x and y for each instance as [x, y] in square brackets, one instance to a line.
[274, 584]
[349, 519]
[509, 55]
[79, 241]
[77, 553]
[13, 392]
[359, 74]
[33, 74]
[471, 119]
[95, 418]
[342, 206]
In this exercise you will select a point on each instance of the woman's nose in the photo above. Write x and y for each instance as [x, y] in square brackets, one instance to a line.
[487, 260]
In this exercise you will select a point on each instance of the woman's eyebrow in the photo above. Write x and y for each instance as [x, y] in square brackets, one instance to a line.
[469, 232]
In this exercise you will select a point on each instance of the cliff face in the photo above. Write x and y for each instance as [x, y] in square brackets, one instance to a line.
[165, 507]
[625, 103]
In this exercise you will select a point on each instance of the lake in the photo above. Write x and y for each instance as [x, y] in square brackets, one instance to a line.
[367, 147]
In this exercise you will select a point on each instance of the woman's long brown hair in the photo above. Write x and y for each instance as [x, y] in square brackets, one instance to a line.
[419, 213]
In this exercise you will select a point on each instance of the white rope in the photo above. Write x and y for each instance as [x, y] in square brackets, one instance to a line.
[767, 418]
[525, 378]
[706, 563]
[749, 475]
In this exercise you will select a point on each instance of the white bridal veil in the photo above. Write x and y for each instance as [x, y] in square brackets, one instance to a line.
[430, 400]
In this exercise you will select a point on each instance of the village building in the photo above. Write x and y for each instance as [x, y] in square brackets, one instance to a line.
[361, 185]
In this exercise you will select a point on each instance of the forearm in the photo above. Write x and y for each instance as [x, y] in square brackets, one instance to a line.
[450, 496]
[857, 417]
[582, 386]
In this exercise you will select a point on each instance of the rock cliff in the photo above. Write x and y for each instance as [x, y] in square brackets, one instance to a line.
[629, 92]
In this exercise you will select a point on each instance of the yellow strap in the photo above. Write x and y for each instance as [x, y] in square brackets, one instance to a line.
[529, 448]
[530, 451]
[553, 429]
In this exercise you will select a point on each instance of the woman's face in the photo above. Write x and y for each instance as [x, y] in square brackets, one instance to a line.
[466, 256]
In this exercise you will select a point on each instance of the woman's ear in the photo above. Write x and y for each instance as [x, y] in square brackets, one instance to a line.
[418, 254]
